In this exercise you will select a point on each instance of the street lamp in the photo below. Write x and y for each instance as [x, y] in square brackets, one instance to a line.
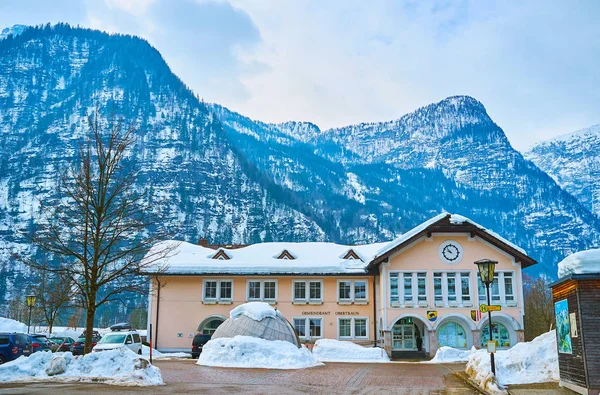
[30, 303]
[486, 273]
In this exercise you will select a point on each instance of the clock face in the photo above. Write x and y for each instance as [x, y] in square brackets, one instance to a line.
[450, 252]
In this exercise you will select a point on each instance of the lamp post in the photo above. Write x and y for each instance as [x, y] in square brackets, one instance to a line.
[30, 303]
[486, 273]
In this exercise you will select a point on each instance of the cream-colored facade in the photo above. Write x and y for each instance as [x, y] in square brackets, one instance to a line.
[413, 296]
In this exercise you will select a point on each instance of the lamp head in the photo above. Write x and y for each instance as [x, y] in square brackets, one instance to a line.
[486, 270]
[30, 300]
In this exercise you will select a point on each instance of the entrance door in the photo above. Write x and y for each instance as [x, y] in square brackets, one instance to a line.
[403, 337]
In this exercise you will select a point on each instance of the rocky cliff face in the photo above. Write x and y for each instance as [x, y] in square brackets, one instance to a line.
[573, 161]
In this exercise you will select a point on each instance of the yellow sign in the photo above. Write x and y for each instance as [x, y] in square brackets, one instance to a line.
[484, 308]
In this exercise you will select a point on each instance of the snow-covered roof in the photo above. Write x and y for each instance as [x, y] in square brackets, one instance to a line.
[459, 219]
[582, 262]
[310, 258]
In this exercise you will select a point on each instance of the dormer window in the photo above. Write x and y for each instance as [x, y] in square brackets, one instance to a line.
[351, 255]
[221, 255]
[285, 254]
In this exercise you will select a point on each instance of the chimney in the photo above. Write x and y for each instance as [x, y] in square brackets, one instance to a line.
[203, 242]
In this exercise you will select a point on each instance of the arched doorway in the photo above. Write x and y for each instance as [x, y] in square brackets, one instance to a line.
[210, 324]
[408, 335]
[500, 333]
[452, 334]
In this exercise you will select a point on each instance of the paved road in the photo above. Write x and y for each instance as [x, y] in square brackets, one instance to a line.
[184, 376]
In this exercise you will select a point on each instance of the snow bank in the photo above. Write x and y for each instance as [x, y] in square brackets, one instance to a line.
[253, 352]
[448, 355]
[258, 311]
[117, 367]
[529, 362]
[330, 350]
[163, 355]
[582, 262]
[8, 325]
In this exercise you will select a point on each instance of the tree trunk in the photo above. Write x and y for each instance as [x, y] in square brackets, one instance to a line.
[89, 324]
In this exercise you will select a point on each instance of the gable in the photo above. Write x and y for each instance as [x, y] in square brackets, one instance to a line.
[222, 255]
[285, 254]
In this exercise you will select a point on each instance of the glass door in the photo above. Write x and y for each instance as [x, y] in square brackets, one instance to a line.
[403, 337]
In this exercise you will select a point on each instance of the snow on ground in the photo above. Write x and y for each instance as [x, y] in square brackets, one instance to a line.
[258, 311]
[163, 355]
[253, 352]
[449, 355]
[8, 325]
[582, 262]
[528, 362]
[330, 350]
[117, 367]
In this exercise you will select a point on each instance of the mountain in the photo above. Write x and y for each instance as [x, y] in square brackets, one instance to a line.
[445, 156]
[212, 173]
[573, 161]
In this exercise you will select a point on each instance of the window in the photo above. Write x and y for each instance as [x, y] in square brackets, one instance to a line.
[452, 289]
[262, 290]
[499, 332]
[452, 334]
[308, 291]
[208, 328]
[309, 327]
[502, 290]
[218, 290]
[352, 291]
[353, 328]
[408, 288]
[136, 338]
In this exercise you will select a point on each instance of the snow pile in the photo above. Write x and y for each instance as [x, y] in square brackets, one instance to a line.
[162, 355]
[582, 262]
[253, 352]
[118, 367]
[330, 350]
[448, 355]
[529, 362]
[8, 325]
[258, 311]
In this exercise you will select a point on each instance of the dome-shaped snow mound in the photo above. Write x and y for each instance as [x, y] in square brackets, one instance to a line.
[257, 319]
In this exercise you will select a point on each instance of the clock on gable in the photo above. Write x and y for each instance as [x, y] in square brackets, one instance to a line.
[450, 252]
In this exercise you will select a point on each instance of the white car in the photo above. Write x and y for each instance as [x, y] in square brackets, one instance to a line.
[114, 340]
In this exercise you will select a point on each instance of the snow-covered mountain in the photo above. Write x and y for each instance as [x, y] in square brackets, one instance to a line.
[573, 160]
[212, 173]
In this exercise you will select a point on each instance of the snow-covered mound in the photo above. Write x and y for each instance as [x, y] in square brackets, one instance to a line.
[8, 325]
[253, 352]
[330, 350]
[448, 355]
[118, 367]
[162, 355]
[582, 262]
[258, 311]
[528, 362]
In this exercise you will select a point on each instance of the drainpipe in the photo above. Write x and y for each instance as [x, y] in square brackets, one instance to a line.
[375, 320]
[157, 311]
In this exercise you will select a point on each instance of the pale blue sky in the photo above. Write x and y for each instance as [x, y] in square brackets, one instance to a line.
[533, 64]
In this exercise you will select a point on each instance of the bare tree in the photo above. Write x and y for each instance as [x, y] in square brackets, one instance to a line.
[100, 229]
[539, 309]
[54, 292]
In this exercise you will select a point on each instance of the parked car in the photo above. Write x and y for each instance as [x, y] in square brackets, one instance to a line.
[39, 343]
[78, 346]
[61, 343]
[199, 341]
[122, 335]
[13, 345]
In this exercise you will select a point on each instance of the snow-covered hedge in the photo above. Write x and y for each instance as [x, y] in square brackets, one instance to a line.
[330, 350]
[528, 362]
[253, 352]
[118, 367]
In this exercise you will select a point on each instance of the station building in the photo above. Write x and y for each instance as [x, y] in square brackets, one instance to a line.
[411, 295]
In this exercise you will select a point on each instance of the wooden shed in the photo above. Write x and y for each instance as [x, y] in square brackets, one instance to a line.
[577, 307]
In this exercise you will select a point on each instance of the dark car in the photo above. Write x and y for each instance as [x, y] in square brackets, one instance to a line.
[13, 345]
[199, 341]
[79, 344]
[61, 343]
[39, 343]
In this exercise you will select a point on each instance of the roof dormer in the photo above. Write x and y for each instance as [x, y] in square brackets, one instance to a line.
[351, 255]
[285, 254]
[221, 255]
